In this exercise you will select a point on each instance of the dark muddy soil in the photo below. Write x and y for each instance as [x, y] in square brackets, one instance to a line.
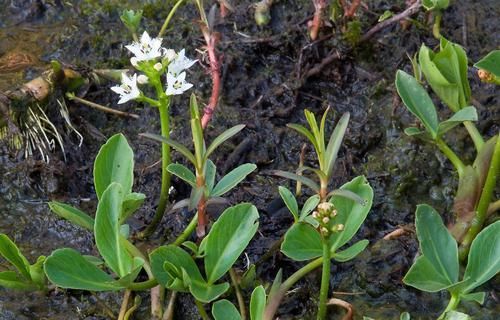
[260, 89]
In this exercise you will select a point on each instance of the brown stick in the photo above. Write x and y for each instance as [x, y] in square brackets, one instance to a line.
[400, 16]
[351, 11]
[211, 39]
[101, 107]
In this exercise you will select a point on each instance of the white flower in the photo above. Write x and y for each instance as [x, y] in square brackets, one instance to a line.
[169, 54]
[142, 79]
[177, 85]
[146, 49]
[180, 63]
[128, 89]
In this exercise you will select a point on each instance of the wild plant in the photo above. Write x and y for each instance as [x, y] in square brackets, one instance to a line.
[24, 276]
[446, 73]
[202, 181]
[438, 267]
[337, 218]
[163, 70]
[488, 68]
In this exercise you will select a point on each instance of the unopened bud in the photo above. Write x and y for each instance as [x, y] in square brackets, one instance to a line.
[326, 220]
[325, 206]
[324, 230]
[340, 227]
[333, 213]
[158, 66]
[142, 79]
[315, 214]
[134, 62]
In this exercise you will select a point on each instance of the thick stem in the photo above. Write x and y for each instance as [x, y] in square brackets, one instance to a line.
[273, 304]
[484, 201]
[169, 17]
[452, 305]
[142, 286]
[455, 160]
[211, 41]
[165, 161]
[202, 209]
[239, 296]
[124, 306]
[475, 135]
[436, 28]
[325, 281]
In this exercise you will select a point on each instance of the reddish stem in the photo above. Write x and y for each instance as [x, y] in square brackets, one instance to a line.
[211, 39]
[317, 22]
[351, 11]
[223, 9]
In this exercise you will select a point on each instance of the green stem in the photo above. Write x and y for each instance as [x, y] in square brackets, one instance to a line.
[437, 24]
[476, 137]
[124, 306]
[133, 250]
[239, 296]
[189, 229]
[484, 201]
[169, 17]
[201, 310]
[325, 281]
[455, 160]
[452, 305]
[273, 304]
[165, 161]
[142, 286]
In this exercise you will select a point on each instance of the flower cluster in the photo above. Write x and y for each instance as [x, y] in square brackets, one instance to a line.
[152, 59]
[325, 215]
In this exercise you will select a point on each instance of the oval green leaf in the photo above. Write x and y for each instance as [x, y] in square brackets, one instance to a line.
[227, 239]
[114, 163]
[225, 310]
[290, 202]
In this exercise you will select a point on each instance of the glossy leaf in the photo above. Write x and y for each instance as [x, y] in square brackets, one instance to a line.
[290, 202]
[351, 213]
[114, 163]
[223, 137]
[225, 310]
[11, 253]
[206, 292]
[227, 239]
[490, 63]
[465, 114]
[179, 260]
[107, 231]
[417, 100]
[311, 204]
[12, 280]
[437, 245]
[351, 252]
[232, 179]
[174, 144]
[131, 203]
[293, 176]
[183, 173]
[484, 258]
[67, 268]
[424, 276]
[476, 296]
[335, 142]
[302, 242]
[257, 303]
[72, 214]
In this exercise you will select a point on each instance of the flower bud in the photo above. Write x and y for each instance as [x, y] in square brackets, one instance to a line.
[333, 213]
[158, 66]
[326, 220]
[142, 79]
[324, 231]
[325, 206]
[134, 62]
[315, 214]
[169, 54]
[340, 227]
